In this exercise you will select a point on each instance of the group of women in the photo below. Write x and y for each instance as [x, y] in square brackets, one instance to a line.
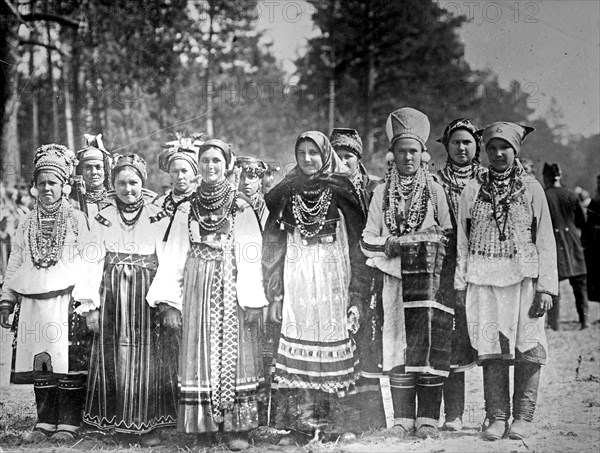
[416, 277]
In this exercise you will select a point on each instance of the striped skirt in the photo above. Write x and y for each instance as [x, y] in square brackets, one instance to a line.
[203, 275]
[132, 381]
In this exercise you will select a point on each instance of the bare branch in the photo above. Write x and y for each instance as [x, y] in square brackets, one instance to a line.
[62, 20]
[42, 44]
[14, 11]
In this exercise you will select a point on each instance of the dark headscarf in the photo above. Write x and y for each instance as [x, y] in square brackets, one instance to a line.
[464, 124]
[225, 149]
[332, 164]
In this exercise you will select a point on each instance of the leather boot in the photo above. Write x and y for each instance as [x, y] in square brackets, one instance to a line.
[404, 394]
[579, 284]
[429, 397]
[454, 401]
[497, 397]
[527, 380]
[71, 396]
[46, 400]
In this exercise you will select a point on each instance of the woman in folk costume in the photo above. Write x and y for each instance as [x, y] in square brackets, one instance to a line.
[211, 274]
[347, 144]
[506, 271]
[93, 176]
[132, 384]
[404, 238]
[568, 219]
[179, 160]
[44, 266]
[365, 405]
[461, 141]
[252, 172]
[313, 271]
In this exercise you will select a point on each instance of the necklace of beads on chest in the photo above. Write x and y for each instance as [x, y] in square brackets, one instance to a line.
[94, 196]
[501, 185]
[204, 212]
[213, 196]
[129, 208]
[311, 212]
[46, 233]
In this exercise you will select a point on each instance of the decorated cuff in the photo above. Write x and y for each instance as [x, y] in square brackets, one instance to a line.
[7, 305]
[85, 307]
[543, 291]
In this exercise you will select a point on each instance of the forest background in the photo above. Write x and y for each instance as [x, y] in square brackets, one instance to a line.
[138, 71]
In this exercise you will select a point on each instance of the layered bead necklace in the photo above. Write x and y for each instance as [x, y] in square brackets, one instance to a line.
[455, 178]
[46, 232]
[501, 186]
[398, 190]
[94, 196]
[310, 208]
[129, 208]
[173, 199]
[210, 198]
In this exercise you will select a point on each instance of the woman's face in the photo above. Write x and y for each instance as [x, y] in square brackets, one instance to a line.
[462, 147]
[308, 156]
[500, 154]
[93, 174]
[407, 155]
[181, 174]
[249, 183]
[49, 187]
[128, 185]
[349, 158]
[212, 165]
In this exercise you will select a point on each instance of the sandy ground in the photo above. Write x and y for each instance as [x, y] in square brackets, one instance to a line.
[567, 419]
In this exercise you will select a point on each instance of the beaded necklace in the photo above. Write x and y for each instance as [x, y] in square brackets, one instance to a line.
[137, 207]
[398, 190]
[501, 186]
[210, 198]
[310, 210]
[95, 196]
[173, 199]
[455, 178]
[46, 232]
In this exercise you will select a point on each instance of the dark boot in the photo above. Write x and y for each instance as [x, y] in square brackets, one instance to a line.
[579, 285]
[71, 397]
[429, 397]
[454, 401]
[554, 313]
[46, 400]
[527, 381]
[404, 395]
[496, 392]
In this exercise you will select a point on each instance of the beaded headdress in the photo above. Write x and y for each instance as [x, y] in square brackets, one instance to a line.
[130, 160]
[512, 133]
[93, 149]
[184, 148]
[408, 123]
[251, 165]
[56, 159]
[458, 124]
[349, 139]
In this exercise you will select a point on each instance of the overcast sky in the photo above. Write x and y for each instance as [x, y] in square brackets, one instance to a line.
[551, 46]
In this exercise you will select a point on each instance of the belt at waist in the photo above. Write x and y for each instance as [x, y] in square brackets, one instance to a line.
[206, 252]
[133, 259]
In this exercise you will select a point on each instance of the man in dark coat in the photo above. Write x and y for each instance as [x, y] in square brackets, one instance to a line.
[568, 219]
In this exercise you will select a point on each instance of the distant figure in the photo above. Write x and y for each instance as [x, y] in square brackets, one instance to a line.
[567, 217]
[528, 165]
[591, 241]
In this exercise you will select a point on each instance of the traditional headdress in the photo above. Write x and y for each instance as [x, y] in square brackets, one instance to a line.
[56, 159]
[344, 138]
[464, 124]
[137, 163]
[225, 149]
[512, 133]
[408, 123]
[184, 148]
[93, 149]
[551, 171]
[251, 165]
[331, 162]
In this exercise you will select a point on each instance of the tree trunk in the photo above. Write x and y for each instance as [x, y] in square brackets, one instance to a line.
[68, 106]
[10, 136]
[370, 87]
[52, 88]
[208, 76]
[9, 140]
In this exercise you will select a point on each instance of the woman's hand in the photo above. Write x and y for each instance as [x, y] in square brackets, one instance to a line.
[170, 317]
[275, 310]
[541, 304]
[92, 320]
[4, 314]
[252, 315]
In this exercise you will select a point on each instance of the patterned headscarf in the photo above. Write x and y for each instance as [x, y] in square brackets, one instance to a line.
[251, 165]
[512, 133]
[464, 124]
[332, 164]
[55, 159]
[344, 138]
[130, 160]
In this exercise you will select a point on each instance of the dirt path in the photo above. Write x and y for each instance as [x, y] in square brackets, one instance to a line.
[567, 419]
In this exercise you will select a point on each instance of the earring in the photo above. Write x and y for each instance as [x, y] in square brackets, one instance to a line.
[66, 190]
[34, 192]
[389, 156]
[425, 157]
